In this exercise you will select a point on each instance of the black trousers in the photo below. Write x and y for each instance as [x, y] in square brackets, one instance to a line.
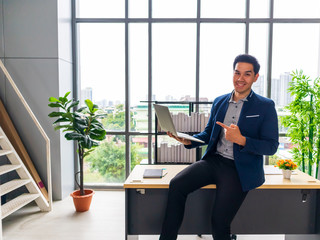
[229, 195]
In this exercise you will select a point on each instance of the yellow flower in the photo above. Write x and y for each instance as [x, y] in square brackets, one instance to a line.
[286, 164]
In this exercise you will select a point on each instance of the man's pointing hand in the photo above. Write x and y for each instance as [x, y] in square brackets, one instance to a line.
[233, 134]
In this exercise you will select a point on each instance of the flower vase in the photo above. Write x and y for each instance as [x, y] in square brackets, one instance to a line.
[286, 173]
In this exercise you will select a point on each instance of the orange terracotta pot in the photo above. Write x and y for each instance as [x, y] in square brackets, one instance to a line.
[82, 203]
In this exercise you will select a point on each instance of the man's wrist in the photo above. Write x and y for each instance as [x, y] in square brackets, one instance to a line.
[242, 141]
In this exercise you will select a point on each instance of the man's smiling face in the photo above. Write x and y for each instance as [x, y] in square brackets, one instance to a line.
[243, 78]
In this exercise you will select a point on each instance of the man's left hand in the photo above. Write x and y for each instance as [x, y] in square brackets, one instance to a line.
[233, 134]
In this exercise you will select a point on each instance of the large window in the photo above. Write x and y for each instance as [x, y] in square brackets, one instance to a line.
[130, 53]
[218, 48]
[173, 60]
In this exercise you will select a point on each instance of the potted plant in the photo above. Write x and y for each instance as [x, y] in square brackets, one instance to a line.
[287, 165]
[303, 121]
[83, 127]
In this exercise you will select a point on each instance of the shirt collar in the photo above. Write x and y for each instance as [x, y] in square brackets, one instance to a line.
[242, 100]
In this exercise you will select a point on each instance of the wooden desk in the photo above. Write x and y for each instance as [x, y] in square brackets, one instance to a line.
[279, 206]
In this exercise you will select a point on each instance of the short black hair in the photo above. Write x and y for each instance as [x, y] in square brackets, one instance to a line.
[247, 59]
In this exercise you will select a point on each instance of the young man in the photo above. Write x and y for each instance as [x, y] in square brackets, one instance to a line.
[243, 127]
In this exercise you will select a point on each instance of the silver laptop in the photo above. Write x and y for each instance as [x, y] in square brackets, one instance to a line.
[166, 123]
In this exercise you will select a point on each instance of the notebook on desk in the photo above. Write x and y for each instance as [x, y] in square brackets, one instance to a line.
[166, 123]
[153, 173]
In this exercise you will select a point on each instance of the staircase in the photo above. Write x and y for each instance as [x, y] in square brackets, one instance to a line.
[25, 179]
[17, 165]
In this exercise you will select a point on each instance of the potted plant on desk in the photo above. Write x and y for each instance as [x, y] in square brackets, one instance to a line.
[287, 166]
[84, 127]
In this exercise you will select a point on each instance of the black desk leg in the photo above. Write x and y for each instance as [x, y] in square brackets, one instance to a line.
[302, 237]
[127, 236]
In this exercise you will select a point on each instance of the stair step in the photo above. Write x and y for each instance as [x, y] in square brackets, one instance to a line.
[8, 168]
[5, 152]
[12, 185]
[25, 179]
[17, 203]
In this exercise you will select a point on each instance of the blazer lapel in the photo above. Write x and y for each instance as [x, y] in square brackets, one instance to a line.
[246, 106]
[221, 113]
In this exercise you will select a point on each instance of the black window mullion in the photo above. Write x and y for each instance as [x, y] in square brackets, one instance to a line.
[198, 55]
[127, 94]
[269, 66]
[150, 82]
[75, 79]
[247, 26]
[270, 45]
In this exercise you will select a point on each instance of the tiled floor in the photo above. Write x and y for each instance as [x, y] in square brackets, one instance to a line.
[104, 221]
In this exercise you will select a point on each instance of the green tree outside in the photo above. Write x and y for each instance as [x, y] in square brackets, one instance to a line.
[273, 159]
[109, 160]
[116, 119]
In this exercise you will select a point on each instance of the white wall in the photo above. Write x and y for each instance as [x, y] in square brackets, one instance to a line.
[35, 44]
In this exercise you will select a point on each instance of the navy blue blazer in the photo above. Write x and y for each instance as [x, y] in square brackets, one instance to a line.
[258, 122]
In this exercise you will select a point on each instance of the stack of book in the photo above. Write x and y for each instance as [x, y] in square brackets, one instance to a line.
[175, 154]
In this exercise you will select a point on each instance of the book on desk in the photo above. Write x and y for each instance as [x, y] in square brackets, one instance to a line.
[153, 173]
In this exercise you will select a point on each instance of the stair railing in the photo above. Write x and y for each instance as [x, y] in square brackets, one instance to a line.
[43, 133]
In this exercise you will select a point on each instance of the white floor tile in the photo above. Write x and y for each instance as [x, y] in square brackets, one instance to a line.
[104, 221]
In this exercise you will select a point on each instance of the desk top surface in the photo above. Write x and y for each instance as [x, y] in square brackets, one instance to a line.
[299, 180]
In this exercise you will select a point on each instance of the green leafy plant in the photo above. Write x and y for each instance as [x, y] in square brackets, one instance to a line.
[81, 125]
[303, 122]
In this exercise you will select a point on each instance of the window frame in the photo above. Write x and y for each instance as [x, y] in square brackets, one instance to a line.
[150, 20]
